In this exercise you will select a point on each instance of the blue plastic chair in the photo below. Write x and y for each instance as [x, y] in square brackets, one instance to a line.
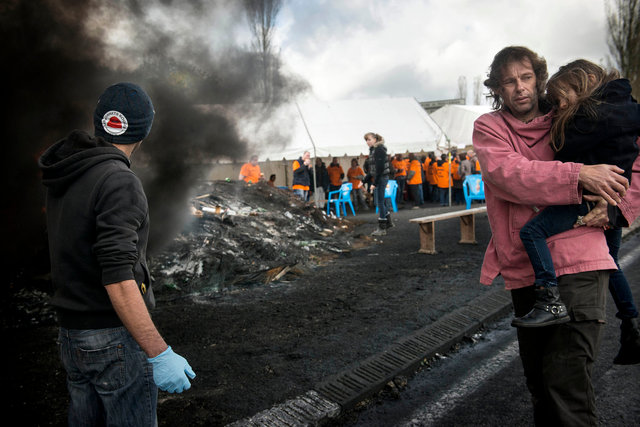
[473, 188]
[340, 198]
[390, 192]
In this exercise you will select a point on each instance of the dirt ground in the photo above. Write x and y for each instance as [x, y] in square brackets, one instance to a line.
[259, 342]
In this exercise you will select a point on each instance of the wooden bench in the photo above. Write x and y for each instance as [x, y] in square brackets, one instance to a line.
[467, 227]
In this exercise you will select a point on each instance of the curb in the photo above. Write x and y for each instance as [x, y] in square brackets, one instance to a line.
[341, 392]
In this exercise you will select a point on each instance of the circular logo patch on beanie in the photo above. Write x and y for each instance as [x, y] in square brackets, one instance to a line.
[114, 123]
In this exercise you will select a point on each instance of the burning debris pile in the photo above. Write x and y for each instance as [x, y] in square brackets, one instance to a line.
[246, 234]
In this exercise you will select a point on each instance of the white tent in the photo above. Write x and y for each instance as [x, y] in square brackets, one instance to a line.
[337, 128]
[457, 122]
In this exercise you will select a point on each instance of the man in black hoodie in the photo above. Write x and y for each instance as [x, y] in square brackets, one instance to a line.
[98, 225]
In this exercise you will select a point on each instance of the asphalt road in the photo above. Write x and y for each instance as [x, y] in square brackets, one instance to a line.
[483, 384]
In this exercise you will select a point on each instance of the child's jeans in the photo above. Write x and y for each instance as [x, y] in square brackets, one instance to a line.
[551, 221]
[618, 285]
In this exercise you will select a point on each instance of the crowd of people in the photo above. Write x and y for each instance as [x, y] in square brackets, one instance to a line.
[427, 179]
[419, 180]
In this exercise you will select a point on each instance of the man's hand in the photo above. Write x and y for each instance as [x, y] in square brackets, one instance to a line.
[170, 371]
[597, 217]
[605, 181]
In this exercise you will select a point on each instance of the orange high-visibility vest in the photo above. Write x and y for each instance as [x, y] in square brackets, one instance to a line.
[455, 166]
[400, 167]
[442, 175]
[352, 174]
[431, 172]
[296, 165]
[417, 176]
[250, 172]
[425, 168]
[334, 174]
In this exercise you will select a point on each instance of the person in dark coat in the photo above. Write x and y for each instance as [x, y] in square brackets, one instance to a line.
[378, 175]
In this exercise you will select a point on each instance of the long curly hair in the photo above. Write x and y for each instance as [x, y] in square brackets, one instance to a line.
[587, 80]
[517, 54]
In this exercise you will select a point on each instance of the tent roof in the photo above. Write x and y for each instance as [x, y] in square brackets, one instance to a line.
[457, 121]
[337, 128]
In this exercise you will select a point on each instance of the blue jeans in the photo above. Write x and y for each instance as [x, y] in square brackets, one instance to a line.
[551, 221]
[302, 194]
[458, 196]
[381, 187]
[618, 285]
[444, 196]
[435, 193]
[401, 180]
[416, 194]
[109, 379]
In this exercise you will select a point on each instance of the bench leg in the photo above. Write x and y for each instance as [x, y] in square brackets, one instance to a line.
[427, 238]
[468, 229]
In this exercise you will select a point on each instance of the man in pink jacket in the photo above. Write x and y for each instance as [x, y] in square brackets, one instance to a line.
[521, 177]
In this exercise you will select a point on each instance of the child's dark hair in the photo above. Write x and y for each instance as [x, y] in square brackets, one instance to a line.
[587, 80]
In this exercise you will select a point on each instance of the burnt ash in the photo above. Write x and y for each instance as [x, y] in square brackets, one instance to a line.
[246, 234]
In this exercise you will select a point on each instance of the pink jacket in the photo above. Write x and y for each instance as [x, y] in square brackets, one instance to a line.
[521, 176]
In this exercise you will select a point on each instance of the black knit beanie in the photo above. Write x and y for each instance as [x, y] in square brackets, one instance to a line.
[124, 114]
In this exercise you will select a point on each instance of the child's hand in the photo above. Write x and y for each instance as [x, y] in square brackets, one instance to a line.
[597, 217]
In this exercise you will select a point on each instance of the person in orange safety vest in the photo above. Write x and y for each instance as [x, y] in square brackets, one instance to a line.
[431, 177]
[400, 167]
[250, 172]
[302, 176]
[356, 175]
[458, 195]
[414, 180]
[426, 190]
[336, 175]
[442, 179]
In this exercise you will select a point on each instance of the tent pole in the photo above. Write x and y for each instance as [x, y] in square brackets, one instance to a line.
[450, 183]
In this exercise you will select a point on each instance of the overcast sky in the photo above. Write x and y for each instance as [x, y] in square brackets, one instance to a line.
[395, 48]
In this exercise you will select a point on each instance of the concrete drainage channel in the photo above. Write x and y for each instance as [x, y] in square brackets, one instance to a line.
[343, 391]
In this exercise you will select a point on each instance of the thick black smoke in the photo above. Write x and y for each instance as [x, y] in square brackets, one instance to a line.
[59, 55]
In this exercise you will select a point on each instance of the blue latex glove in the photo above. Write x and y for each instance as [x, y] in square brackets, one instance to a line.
[170, 371]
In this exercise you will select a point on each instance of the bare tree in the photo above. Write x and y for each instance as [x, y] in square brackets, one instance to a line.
[623, 19]
[462, 88]
[262, 15]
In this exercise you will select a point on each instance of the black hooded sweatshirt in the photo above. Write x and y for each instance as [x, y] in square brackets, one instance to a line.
[98, 226]
[609, 138]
